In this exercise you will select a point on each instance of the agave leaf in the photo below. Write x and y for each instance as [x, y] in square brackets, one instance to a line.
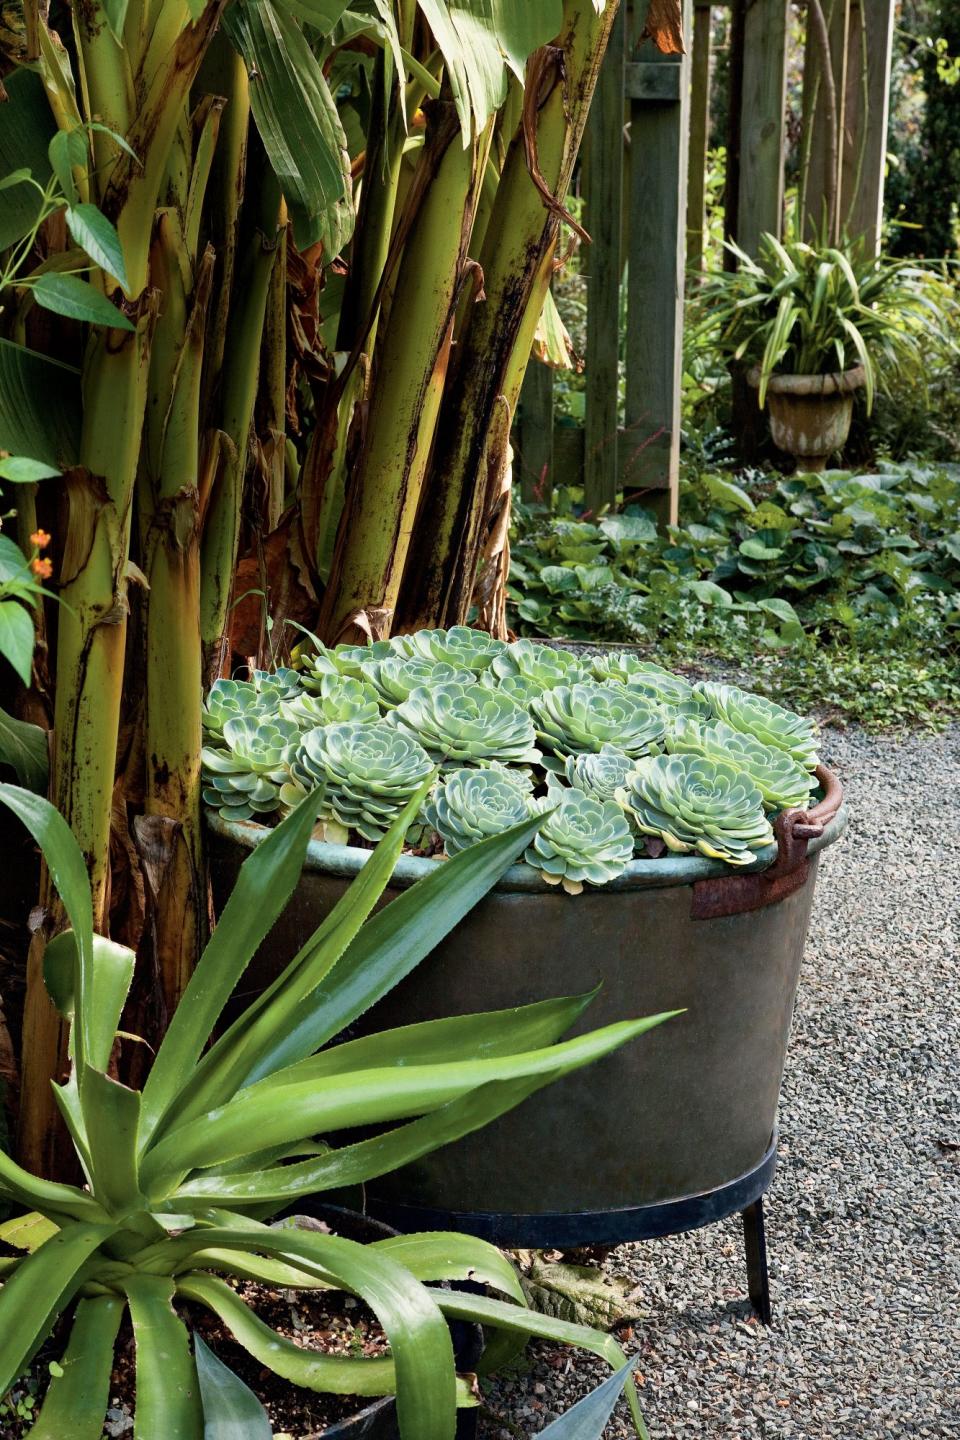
[168, 1399]
[76, 1402]
[231, 1411]
[35, 1294]
[588, 1418]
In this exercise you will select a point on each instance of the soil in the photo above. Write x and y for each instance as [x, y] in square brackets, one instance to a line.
[329, 1321]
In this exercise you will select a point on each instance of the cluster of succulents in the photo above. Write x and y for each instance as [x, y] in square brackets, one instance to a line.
[621, 756]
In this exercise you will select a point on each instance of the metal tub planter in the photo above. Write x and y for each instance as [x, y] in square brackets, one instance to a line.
[665, 1135]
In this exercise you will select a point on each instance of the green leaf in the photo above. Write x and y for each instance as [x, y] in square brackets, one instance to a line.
[67, 151]
[34, 1295]
[97, 235]
[116, 13]
[16, 637]
[588, 1418]
[76, 1402]
[782, 609]
[27, 1232]
[26, 126]
[727, 493]
[298, 123]
[709, 593]
[111, 976]
[13, 562]
[16, 177]
[231, 1411]
[755, 549]
[19, 470]
[40, 405]
[78, 300]
[521, 29]
[168, 1395]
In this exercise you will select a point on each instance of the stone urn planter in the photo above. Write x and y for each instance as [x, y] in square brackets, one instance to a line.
[668, 1133]
[810, 415]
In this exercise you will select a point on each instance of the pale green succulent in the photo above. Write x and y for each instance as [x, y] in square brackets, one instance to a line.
[646, 678]
[783, 783]
[600, 775]
[245, 777]
[368, 772]
[338, 698]
[460, 724]
[519, 687]
[582, 840]
[396, 676]
[460, 646]
[543, 664]
[581, 719]
[472, 804]
[229, 700]
[349, 660]
[693, 802]
[764, 719]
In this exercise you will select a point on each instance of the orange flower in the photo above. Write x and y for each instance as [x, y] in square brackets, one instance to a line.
[43, 569]
[40, 538]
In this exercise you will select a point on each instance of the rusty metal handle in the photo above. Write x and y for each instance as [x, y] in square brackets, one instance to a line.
[794, 829]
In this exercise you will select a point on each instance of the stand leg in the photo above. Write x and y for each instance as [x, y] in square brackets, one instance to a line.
[755, 1245]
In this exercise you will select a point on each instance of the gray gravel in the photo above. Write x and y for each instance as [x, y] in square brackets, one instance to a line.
[863, 1222]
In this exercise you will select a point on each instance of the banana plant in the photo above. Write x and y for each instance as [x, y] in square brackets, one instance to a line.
[167, 166]
[184, 1176]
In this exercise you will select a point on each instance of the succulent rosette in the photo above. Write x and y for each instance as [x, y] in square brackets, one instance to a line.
[338, 698]
[368, 773]
[600, 775]
[348, 660]
[519, 687]
[471, 804]
[781, 780]
[245, 777]
[693, 802]
[581, 719]
[395, 677]
[229, 700]
[460, 646]
[582, 841]
[764, 719]
[467, 724]
[543, 665]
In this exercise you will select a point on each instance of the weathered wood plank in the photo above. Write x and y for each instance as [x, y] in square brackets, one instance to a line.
[824, 109]
[534, 434]
[867, 118]
[649, 80]
[603, 186]
[699, 135]
[658, 158]
[762, 111]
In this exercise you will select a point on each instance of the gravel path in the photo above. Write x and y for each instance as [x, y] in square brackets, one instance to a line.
[863, 1222]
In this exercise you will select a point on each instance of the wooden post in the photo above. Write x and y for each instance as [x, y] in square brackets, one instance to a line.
[535, 434]
[699, 134]
[824, 167]
[658, 87]
[762, 109]
[867, 116]
[603, 180]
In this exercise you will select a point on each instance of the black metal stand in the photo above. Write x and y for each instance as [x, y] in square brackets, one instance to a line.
[566, 1230]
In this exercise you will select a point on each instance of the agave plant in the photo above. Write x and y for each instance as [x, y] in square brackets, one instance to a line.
[543, 665]
[395, 677]
[337, 698]
[600, 775]
[472, 804]
[460, 724]
[764, 719]
[582, 840]
[581, 719]
[181, 1175]
[460, 646]
[781, 780]
[694, 803]
[245, 778]
[365, 773]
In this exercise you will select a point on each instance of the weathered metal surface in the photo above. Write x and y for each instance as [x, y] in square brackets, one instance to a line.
[679, 1112]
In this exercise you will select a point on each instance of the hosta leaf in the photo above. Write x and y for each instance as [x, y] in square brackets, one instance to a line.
[231, 1411]
[78, 300]
[98, 236]
[16, 637]
[298, 123]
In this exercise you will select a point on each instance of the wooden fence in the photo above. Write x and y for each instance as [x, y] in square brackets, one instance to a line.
[644, 187]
